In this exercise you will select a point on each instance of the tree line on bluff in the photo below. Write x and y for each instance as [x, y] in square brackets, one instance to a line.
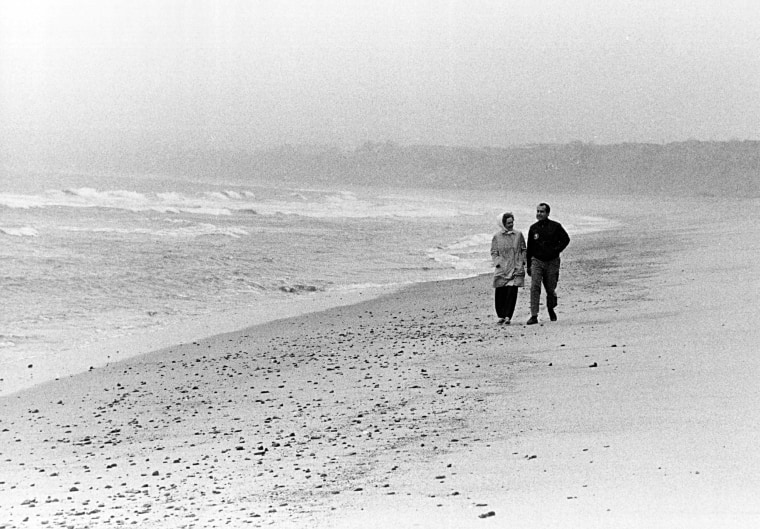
[686, 168]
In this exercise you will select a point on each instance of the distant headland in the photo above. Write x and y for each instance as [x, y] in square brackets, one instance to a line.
[689, 168]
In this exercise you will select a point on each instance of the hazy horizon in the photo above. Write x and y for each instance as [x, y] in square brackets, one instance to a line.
[474, 74]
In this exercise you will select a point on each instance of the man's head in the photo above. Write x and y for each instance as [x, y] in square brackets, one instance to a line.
[542, 211]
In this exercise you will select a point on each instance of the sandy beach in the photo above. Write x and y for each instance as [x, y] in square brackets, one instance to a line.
[640, 407]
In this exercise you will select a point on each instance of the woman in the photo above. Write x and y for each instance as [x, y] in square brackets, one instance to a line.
[508, 256]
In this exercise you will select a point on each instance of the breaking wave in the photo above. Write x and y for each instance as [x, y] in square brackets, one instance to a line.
[315, 204]
[25, 231]
[469, 254]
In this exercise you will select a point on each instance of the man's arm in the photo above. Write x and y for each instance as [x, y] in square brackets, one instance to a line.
[563, 239]
[528, 251]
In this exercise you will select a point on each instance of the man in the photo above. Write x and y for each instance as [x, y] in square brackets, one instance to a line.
[546, 240]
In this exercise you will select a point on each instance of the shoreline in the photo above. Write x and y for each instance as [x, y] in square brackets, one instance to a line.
[24, 371]
[414, 409]
[74, 361]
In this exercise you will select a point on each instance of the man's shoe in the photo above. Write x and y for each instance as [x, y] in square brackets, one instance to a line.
[552, 314]
[532, 321]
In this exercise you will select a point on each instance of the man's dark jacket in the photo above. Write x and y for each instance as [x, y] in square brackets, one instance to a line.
[546, 240]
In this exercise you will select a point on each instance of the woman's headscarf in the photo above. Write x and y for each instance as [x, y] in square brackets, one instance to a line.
[501, 221]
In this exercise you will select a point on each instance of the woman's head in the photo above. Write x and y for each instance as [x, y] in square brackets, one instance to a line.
[507, 220]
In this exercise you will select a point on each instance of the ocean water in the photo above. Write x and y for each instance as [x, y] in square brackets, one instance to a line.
[88, 261]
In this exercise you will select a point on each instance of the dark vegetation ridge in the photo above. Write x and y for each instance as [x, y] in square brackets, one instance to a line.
[727, 169]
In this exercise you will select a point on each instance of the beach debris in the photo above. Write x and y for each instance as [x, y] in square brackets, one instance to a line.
[594, 365]
[487, 514]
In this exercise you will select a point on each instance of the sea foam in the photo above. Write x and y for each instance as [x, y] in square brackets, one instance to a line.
[24, 231]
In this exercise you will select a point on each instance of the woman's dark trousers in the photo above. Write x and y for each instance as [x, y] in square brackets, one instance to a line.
[505, 300]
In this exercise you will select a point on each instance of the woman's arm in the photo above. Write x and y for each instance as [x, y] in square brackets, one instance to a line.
[522, 252]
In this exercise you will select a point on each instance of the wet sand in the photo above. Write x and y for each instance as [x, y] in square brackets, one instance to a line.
[640, 407]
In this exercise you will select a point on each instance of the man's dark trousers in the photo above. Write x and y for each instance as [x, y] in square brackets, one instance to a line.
[544, 273]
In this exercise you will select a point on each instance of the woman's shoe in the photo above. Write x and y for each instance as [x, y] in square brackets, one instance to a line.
[507, 321]
[500, 321]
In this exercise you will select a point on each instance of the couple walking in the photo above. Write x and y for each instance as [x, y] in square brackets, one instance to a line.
[512, 258]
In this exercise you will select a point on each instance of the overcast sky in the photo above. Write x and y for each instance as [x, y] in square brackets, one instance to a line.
[477, 73]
